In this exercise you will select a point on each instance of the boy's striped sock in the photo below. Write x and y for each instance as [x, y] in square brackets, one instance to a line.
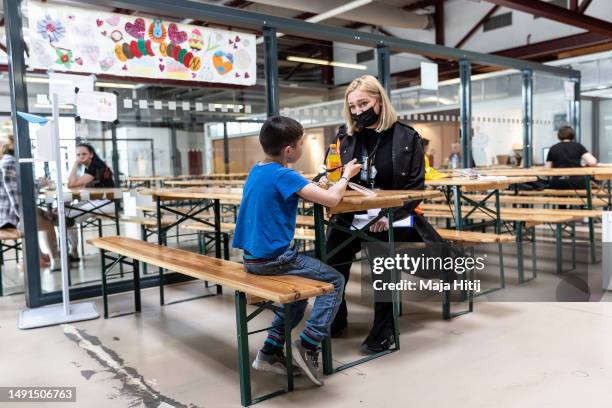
[273, 344]
[309, 340]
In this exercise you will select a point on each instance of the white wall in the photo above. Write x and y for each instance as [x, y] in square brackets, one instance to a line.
[461, 15]
[497, 126]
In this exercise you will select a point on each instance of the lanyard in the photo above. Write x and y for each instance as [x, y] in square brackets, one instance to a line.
[371, 158]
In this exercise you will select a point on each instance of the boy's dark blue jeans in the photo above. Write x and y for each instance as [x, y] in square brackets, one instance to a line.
[325, 306]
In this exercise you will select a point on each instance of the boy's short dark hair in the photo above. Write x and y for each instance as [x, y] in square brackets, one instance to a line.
[566, 133]
[279, 132]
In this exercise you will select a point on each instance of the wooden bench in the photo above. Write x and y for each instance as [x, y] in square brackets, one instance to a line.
[8, 234]
[553, 192]
[274, 289]
[528, 220]
[533, 200]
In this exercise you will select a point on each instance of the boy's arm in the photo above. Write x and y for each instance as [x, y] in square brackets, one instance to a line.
[332, 197]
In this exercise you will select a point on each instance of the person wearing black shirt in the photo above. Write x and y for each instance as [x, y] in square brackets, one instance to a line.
[568, 153]
[392, 158]
[96, 174]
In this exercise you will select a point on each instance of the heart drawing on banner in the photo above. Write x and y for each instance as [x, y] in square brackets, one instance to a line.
[223, 62]
[162, 67]
[136, 29]
[99, 22]
[176, 36]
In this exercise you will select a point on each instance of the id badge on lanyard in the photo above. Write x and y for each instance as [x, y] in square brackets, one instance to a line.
[368, 171]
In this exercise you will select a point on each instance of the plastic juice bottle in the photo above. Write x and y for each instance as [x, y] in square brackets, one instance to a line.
[333, 162]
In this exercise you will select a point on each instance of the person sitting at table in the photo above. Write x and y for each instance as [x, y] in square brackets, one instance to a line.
[568, 153]
[264, 231]
[392, 158]
[96, 174]
[9, 206]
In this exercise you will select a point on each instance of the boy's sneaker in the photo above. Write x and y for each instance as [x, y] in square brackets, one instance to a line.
[273, 363]
[308, 361]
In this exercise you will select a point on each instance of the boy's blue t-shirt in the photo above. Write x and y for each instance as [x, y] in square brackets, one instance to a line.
[268, 211]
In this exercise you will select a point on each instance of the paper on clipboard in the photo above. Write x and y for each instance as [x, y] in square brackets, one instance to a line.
[361, 220]
[362, 189]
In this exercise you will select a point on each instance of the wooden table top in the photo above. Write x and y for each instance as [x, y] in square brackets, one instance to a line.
[541, 171]
[354, 201]
[196, 183]
[469, 184]
[148, 178]
[94, 193]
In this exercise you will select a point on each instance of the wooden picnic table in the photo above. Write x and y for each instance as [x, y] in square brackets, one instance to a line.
[455, 187]
[203, 183]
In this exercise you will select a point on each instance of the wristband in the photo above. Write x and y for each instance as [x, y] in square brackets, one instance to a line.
[343, 177]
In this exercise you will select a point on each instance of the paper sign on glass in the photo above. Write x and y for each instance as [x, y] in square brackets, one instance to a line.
[429, 76]
[100, 106]
[65, 85]
[44, 143]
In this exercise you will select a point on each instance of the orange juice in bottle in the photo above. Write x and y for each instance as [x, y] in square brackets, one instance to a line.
[333, 162]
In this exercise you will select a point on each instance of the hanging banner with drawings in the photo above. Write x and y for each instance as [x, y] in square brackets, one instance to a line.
[64, 38]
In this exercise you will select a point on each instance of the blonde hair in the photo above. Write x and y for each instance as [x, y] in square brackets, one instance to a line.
[9, 146]
[370, 85]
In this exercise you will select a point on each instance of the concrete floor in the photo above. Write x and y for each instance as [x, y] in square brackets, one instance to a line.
[504, 355]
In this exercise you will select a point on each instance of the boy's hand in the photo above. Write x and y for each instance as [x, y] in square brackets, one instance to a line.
[351, 169]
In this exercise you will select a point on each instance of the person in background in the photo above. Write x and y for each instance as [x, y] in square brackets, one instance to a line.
[454, 159]
[265, 230]
[429, 153]
[568, 153]
[9, 206]
[96, 174]
[392, 157]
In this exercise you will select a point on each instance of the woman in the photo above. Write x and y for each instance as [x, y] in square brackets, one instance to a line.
[9, 206]
[568, 153]
[96, 174]
[392, 158]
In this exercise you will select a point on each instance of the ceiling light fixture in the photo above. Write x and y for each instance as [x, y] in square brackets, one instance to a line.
[325, 62]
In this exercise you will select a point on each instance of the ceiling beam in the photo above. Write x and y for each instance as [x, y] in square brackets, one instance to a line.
[476, 27]
[583, 6]
[438, 17]
[421, 4]
[552, 47]
[559, 14]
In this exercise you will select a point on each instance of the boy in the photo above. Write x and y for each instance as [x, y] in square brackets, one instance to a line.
[265, 229]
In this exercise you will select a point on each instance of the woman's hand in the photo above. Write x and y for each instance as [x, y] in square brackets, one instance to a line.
[351, 169]
[380, 225]
[323, 182]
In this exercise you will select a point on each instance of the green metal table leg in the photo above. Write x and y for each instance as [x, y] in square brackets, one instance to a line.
[457, 199]
[591, 225]
[288, 351]
[533, 253]
[518, 226]
[573, 245]
[136, 266]
[160, 241]
[319, 220]
[559, 247]
[243, 349]
[396, 296]
[104, 292]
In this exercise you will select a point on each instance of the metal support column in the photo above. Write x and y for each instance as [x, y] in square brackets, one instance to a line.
[226, 159]
[115, 156]
[465, 100]
[19, 102]
[271, 70]
[576, 109]
[527, 92]
[384, 67]
[176, 158]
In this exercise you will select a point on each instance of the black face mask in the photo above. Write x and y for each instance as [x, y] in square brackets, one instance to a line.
[365, 119]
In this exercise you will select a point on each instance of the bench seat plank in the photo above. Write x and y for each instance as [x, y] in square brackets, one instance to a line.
[280, 289]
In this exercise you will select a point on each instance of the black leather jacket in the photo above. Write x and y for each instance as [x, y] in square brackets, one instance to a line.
[408, 160]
